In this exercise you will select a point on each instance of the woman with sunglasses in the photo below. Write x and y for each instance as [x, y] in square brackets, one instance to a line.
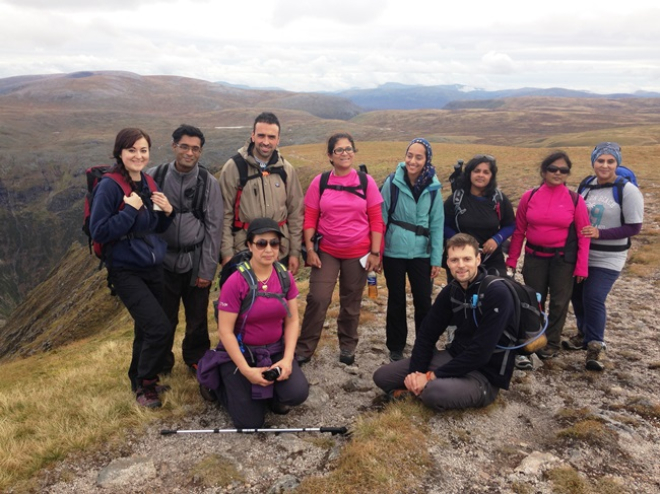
[126, 225]
[551, 219]
[413, 240]
[616, 212]
[479, 208]
[346, 214]
[258, 342]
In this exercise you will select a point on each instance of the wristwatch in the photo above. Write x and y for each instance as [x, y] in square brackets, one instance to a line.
[377, 254]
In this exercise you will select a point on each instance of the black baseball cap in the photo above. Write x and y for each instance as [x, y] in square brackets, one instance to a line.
[263, 225]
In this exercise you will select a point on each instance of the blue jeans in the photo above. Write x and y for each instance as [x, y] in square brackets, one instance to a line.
[589, 302]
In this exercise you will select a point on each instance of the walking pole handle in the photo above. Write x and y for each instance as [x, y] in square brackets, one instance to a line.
[334, 430]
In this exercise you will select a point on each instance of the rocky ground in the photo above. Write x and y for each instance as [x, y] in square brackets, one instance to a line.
[606, 426]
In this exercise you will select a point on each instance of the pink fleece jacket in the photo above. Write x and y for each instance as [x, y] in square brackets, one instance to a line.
[544, 221]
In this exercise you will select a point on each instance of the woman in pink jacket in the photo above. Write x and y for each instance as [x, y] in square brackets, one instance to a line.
[550, 219]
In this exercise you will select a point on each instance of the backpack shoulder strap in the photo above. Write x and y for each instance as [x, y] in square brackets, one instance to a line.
[159, 174]
[363, 182]
[153, 187]
[242, 167]
[279, 170]
[119, 179]
[248, 275]
[394, 197]
[323, 183]
[200, 193]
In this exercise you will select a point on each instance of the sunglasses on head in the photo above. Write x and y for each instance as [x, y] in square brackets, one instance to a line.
[262, 243]
[554, 169]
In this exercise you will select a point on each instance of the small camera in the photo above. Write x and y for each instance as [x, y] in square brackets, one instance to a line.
[272, 374]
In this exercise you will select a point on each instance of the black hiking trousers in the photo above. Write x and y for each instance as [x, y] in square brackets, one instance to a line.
[141, 291]
[196, 304]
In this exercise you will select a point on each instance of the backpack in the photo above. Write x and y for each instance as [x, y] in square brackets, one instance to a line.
[94, 175]
[240, 263]
[394, 198]
[457, 198]
[200, 189]
[529, 320]
[455, 175]
[358, 190]
[626, 173]
[243, 179]
[590, 183]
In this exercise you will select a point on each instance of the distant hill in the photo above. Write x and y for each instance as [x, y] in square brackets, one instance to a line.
[394, 96]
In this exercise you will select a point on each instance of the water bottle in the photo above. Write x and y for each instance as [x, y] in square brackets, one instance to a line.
[371, 285]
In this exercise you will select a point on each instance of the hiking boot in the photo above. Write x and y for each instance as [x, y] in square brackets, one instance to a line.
[594, 359]
[523, 362]
[207, 393]
[147, 396]
[400, 395]
[302, 360]
[193, 369]
[161, 388]
[346, 357]
[396, 355]
[277, 408]
[575, 342]
[547, 352]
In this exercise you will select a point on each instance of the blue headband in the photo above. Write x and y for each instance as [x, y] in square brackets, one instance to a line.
[425, 143]
[606, 148]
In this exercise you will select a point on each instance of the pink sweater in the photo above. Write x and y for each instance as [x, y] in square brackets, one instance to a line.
[344, 219]
[544, 221]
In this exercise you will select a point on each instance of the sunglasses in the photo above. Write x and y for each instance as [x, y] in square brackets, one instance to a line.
[262, 243]
[554, 169]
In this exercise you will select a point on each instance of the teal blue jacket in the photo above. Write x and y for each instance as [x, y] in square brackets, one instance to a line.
[404, 244]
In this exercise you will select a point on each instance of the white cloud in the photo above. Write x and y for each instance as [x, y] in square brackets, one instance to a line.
[302, 45]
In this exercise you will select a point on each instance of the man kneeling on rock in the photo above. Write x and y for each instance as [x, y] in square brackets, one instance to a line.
[472, 370]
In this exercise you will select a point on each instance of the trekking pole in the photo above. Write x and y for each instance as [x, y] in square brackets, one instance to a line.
[331, 430]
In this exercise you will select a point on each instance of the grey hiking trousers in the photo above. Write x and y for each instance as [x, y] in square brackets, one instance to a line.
[470, 391]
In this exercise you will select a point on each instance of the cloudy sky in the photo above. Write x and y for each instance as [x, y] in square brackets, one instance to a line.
[303, 45]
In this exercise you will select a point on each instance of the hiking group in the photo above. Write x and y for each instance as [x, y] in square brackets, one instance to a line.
[161, 232]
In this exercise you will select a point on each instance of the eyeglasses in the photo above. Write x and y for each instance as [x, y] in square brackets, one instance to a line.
[262, 243]
[554, 169]
[339, 151]
[185, 148]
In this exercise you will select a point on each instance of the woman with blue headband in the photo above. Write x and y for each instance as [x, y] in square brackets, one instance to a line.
[616, 211]
[414, 220]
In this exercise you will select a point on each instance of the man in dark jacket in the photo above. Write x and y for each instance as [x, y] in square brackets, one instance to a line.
[471, 371]
[193, 241]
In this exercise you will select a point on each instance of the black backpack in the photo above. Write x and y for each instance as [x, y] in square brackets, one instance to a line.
[200, 189]
[243, 169]
[529, 320]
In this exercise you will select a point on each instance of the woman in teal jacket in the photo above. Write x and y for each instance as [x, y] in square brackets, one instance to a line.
[414, 219]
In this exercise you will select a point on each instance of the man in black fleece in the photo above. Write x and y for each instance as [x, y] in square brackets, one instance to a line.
[471, 371]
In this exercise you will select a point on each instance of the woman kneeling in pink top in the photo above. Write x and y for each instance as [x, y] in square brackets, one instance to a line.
[550, 218]
[343, 208]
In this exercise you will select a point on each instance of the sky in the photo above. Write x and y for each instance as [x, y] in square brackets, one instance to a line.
[599, 46]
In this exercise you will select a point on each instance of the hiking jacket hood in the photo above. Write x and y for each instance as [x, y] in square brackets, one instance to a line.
[404, 244]
[266, 196]
[186, 230]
